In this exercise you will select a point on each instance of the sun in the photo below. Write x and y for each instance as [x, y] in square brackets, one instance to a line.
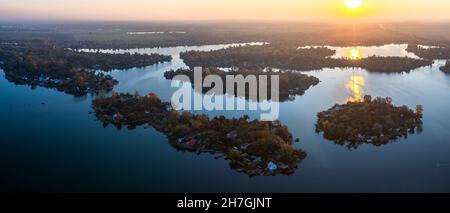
[353, 4]
[354, 54]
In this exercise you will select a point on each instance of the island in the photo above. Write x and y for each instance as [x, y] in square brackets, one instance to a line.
[300, 59]
[290, 83]
[41, 63]
[252, 147]
[374, 122]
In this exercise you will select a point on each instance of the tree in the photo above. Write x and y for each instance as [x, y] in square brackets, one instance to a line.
[419, 111]
[367, 98]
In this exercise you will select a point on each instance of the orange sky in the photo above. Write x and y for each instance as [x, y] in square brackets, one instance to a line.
[291, 10]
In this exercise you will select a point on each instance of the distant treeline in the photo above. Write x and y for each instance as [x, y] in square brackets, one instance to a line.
[115, 36]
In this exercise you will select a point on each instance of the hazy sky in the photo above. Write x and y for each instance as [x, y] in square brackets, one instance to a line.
[293, 10]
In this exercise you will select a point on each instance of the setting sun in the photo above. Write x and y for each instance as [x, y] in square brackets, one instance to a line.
[354, 54]
[353, 4]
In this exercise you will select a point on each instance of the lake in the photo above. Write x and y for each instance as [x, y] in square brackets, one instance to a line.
[51, 142]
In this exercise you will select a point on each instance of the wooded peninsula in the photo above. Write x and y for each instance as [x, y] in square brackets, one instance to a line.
[253, 147]
[430, 53]
[40, 63]
[290, 83]
[300, 59]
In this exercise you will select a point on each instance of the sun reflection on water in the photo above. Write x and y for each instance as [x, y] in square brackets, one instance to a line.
[354, 54]
[356, 88]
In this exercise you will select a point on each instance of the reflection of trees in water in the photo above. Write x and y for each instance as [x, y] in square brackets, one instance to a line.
[375, 122]
[253, 147]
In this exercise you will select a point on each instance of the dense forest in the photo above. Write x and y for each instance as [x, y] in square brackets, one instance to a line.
[253, 147]
[304, 59]
[290, 83]
[372, 121]
[40, 63]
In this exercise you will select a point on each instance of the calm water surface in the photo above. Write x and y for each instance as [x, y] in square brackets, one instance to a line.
[52, 143]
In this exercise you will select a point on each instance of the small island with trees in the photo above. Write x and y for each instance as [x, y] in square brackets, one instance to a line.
[371, 121]
[253, 147]
[290, 83]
